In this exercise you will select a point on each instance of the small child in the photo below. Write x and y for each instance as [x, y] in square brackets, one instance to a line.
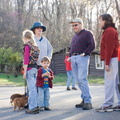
[69, 73]
[44, 82]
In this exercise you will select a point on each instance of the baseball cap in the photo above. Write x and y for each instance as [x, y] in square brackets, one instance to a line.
[76, 20]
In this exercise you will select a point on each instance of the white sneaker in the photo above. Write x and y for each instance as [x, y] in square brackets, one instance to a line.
[105, 109]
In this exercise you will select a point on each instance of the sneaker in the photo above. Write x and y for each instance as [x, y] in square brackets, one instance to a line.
[47, 108]
[41, 108]
[87, 106]
[68, 88]
[116, 108]
[33, 111]
[74, 88]
[80, 105]
[105, 109]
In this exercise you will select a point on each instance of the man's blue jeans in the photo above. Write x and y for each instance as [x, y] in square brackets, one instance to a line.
[43, 97]
[80, 72]
[31, 83]
[69, 78]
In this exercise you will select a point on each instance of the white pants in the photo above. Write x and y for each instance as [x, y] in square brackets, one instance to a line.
[111, 83]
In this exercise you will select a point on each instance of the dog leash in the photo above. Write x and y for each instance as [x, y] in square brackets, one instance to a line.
[25, 87]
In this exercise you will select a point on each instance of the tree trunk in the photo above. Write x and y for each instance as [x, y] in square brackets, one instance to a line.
[118, 11]
[20, 14]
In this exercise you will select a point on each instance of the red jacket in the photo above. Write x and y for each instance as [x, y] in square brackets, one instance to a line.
[67, 64]
[109, 45]
[40, 79]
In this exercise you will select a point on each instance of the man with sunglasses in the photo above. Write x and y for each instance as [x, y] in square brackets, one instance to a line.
[82, 45]
[44, 45]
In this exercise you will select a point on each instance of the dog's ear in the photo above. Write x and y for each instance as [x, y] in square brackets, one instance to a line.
[25, 97]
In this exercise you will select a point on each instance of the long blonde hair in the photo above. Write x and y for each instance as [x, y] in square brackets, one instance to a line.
[28, 34]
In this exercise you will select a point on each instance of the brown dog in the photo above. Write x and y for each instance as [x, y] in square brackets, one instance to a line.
[16, 96]
[20, 102]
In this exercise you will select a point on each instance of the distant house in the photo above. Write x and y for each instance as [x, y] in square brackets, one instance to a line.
[96, 67]
[57, 62]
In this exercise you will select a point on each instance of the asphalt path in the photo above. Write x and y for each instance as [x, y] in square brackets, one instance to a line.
[62, 104]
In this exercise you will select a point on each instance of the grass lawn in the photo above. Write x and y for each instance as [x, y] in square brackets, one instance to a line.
[61, 79]
[10, 80]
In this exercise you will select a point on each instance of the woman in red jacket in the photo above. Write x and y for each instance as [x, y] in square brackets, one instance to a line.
[109, 54]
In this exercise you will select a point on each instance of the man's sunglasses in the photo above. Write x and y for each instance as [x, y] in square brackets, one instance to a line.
[75, 25]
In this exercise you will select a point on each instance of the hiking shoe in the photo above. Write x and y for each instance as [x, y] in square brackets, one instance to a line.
[105, 109]
[87, 106]
[47, 108]
[33, 111]
[80, 105]
[26, 106]
[74, 88]
[116, 108]
[68, 88]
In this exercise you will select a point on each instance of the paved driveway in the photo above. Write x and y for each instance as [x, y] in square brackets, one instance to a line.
[62, 105]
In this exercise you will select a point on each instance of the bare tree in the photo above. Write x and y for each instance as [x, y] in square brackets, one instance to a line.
[17, 15]
[118, 11]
